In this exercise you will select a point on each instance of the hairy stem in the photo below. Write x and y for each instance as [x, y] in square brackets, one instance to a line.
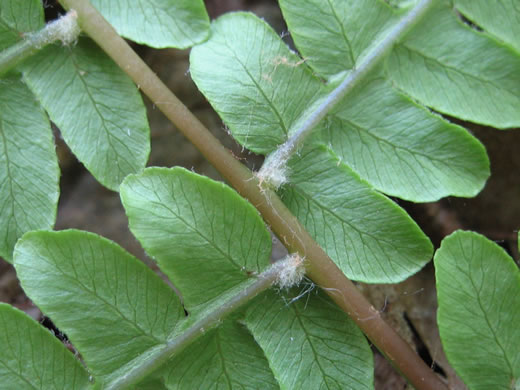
[180, 340]
[320, 268]
[64, 29]
[276, 161]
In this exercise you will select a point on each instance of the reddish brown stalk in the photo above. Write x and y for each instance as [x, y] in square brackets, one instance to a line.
[320, 268]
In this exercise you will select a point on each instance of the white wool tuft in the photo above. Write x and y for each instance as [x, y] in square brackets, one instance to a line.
[291, 271]
[66, 29]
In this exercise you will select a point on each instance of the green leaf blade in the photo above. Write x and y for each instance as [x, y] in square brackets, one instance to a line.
[452, 68]
[310, 343]
[502, 19]
[258, 73]
[32, 358]
[332, 35]
[18, 17]
[369, 237]
[112, 307]
[96, 106]
[197, 230]
[29, 172]
[402, 149]
[225, 358]
[478, 287]
[158, 23]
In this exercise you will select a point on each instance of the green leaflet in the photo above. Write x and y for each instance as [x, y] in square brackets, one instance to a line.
[397, 146]
[401, 3]
[252, 79]
[478, 287]
[332, 35]
[499, 18]
[153, 384]
[96, 106]
[198, 230]
[18, 17]
[29, 172]
[32, 358]
[450, 67]
[310, 343]
[7, 36]
[402, 149]
[225, 358]
[366, 234]
[158, 23]
[111, 306]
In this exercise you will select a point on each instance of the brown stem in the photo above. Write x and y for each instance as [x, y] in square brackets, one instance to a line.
[320, 268]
